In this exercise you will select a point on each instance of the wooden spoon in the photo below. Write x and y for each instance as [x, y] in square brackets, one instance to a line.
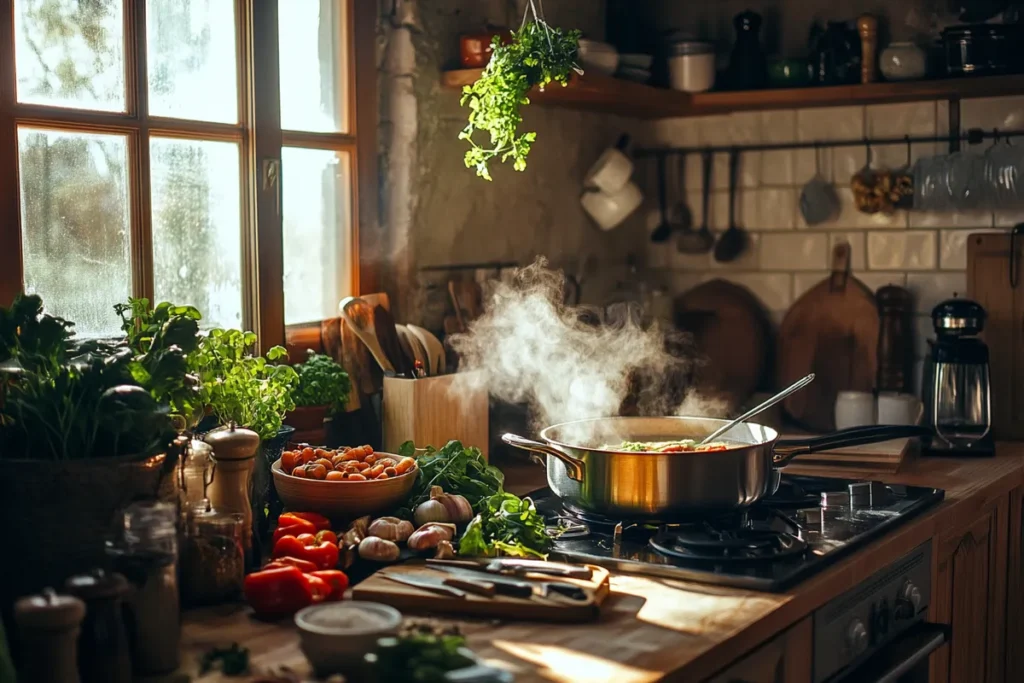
[433, 347]
[359, 316]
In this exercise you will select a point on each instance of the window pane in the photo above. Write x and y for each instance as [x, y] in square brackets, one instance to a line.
[70, 53]
[317, 228]
[197, 233]
[191, 59]
[313, 65]
[74, 221]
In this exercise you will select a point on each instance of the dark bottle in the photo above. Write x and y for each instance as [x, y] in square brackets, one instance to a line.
[895, 344]
[103, 651]
[835, 54]
[747, 67]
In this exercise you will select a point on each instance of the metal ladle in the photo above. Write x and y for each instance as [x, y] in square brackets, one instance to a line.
[791, 389]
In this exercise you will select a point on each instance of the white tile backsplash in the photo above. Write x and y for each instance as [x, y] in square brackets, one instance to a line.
[992, 112]
[803, 282]
[832, 123]
[958, 219]
[778, 167]
[874, 280]
[1008, 218]
[858, 247]
[794, 251]
[767, 208]
[928, 289]
[953, 248]
[902, 250]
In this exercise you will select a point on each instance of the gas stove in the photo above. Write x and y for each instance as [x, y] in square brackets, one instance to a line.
[808, 524]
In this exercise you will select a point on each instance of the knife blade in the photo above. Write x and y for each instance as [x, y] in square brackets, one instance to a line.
[454, 587]
[519, 567]
[508, 585]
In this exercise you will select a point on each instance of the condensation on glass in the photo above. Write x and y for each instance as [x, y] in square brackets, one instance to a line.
[70, 54]
[197, 249]
[313, 61]
[191, 60]
[75, 224]
[317, 208]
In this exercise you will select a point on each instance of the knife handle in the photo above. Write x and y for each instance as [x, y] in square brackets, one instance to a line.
[484, 588]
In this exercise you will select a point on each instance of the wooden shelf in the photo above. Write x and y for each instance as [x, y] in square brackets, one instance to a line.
[594, 92]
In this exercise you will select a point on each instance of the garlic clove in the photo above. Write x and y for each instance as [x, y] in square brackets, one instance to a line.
[378, 549]
[445, 551]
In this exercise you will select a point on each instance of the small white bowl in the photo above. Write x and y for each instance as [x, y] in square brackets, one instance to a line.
[339, 647]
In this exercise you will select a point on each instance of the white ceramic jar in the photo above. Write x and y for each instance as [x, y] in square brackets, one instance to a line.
[903, 62]
[855, 409]
[691, 66]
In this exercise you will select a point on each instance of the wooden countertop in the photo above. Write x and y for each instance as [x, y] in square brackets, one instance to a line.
[654, 629]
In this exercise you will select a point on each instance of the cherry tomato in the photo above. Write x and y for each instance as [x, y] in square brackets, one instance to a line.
[404, 465]
[370, 459]
[289, 461]
[381, 476]
[355, 476]
[334, 475]
[316, 471]
[390, 471]
[308, 455]
[325, 462]
[374, 472]
[300, 471]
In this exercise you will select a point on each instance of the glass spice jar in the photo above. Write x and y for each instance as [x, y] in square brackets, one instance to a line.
[195, 472]
[213, 559]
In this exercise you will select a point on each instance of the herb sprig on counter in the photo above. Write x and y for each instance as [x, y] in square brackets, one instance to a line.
[537, 55]
[506, 525]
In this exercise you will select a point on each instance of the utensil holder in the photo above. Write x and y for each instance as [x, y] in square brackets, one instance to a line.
[432, 411]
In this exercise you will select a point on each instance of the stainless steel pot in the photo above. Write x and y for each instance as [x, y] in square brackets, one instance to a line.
[654, 485]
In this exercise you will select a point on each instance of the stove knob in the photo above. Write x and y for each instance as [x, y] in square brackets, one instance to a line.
[856, 637]
[911, 594]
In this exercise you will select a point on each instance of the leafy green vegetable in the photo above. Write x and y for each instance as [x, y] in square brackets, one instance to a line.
[418, 658]
[234, 660]
[322, 382]
[456, 469]
[537, 55]
[242, 388]
[506, 525]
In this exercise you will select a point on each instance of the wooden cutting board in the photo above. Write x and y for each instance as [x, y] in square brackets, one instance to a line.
[832, 331]
[988, 283]
[413, 599]
[733, 337]
[887, 456]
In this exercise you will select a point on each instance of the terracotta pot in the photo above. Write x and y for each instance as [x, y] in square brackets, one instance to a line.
[306, 418]
[475, 48]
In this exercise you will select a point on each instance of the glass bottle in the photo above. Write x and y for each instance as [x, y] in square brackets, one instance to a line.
[196, 472]
[213, 559]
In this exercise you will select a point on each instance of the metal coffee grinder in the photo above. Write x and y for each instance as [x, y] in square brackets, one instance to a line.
[955, 384]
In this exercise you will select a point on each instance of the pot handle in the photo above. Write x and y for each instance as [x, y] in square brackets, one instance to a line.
[573, 467]
[787, 449]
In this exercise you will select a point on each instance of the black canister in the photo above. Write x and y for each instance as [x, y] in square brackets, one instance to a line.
[104, 655]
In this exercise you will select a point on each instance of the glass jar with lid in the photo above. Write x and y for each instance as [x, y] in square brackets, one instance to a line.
[195, 472]
[213, 559]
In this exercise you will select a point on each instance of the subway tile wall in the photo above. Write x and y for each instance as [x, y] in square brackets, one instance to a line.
[925, 252]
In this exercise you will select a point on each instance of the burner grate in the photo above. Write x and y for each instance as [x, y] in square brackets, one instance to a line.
[727, 545]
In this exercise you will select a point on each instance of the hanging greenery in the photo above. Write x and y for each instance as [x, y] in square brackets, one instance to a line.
[537, 55]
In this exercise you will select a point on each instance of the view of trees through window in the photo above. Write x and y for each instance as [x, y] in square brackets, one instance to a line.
[79, 240]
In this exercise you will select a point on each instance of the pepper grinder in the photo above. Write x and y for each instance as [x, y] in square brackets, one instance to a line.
[867, 25]
[103, 654]
[234, 456]
[895, 345]
[48, 626]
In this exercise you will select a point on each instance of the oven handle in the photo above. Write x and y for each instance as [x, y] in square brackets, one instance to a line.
[934, 637]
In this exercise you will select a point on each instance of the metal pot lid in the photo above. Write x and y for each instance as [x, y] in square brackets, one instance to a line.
[958, 317]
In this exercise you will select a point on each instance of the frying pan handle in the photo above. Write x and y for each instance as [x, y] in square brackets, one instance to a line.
[573, 467]
[787, 449]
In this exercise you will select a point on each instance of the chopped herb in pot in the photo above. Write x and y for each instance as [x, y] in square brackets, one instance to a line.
[537, 55]
[506, 525]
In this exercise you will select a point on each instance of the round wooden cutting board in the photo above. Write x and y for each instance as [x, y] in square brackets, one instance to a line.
[732, 335]
[832, 331]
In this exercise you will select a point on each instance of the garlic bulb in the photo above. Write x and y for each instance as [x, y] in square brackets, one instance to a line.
[431, 535]
[430, 511]
[379, 549]
[390, 529]
[458, 508]
[445, 551]
[355, 533]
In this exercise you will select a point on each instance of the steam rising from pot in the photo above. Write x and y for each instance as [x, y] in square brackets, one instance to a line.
[529, 348]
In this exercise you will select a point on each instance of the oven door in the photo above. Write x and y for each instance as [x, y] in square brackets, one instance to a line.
[905, 660]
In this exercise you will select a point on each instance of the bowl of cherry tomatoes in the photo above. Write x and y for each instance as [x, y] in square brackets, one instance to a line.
[346, 482]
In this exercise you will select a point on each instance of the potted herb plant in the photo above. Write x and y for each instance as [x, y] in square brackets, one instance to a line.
[323, 391]
[85, 429]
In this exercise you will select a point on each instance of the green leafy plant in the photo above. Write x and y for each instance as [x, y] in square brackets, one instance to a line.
[537, 55]
[240, 387]
[61, 399]
[322, 382]
[506, 525]
[456, 469]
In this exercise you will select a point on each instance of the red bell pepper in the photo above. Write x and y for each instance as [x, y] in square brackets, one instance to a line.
[304, 566]
[336, 579]
[307, 539]
[278, 592]
[300, 527]
[319, 521]
[327, 535]
[318, 587]
[323, 555]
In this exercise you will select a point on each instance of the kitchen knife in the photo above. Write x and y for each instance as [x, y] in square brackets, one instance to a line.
[522, 587]
[454, 586]
[519, 567]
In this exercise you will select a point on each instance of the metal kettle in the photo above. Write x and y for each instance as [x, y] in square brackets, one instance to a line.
[955, 385]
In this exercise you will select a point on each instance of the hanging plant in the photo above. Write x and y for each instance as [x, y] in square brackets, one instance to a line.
[537, 55]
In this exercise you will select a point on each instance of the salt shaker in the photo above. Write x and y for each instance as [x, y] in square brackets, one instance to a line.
[48, 627]
[234, 454]
[103, 651]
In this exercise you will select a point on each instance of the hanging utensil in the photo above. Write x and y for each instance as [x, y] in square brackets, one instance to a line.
[681, 215]
[733, 241]
[700, 241]
[664, 229]
[818, 199]
[360, 318]
[758, 409]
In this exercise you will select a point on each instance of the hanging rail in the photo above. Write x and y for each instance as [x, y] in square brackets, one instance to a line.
[973, 136]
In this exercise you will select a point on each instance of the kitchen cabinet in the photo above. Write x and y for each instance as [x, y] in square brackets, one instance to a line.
[1015, 588]
[969, 593]
[786, 658]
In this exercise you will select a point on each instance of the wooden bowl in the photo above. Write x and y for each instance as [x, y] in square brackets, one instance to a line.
[343, 499]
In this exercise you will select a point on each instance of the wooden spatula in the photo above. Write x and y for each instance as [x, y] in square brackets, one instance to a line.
[387, 335]
[360, 318]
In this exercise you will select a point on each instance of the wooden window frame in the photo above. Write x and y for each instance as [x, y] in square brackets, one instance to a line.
[258, 134]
